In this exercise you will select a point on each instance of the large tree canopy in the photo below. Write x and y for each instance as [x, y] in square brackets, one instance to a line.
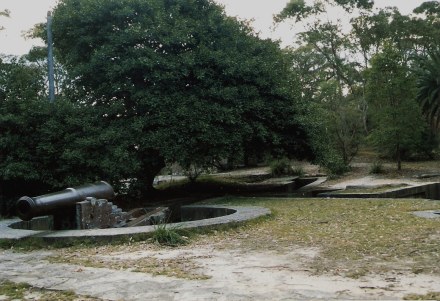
[391, 92]
[333, 58]
[186, 82]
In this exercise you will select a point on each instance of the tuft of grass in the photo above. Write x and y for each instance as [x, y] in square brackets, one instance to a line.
[167, 235]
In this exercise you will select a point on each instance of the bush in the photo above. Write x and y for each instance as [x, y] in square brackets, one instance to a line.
[71, 147]
[281, 167]
[376, 168]
[334, 164]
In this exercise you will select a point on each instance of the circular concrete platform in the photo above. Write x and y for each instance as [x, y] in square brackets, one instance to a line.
[241, 214]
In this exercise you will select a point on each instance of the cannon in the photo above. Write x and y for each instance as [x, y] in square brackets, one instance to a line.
[59, 203]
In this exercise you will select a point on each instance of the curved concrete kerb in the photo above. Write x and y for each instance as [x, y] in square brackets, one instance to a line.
[240, 214]
[428, 214]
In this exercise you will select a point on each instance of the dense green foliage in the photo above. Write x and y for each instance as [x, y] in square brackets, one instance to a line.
[184, 82]
[398, 123]
[429, 88]
[334, 64]
[45, 147]
[141, 84]
[299, 10]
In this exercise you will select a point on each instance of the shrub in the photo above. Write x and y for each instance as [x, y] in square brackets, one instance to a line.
[334, 164]
[376, 168]
[281, 167]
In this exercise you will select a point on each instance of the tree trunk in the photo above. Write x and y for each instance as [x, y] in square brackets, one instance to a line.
[152, 164]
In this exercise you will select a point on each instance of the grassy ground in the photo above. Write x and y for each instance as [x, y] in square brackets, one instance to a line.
[21, 291]
[173, 267]
[353, 238]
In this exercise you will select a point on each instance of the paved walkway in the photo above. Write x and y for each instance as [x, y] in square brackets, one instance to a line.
[234, 276]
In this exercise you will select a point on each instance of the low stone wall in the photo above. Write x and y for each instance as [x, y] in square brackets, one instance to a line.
[426, 191]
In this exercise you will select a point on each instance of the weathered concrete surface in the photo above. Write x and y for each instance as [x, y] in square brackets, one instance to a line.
[8, 233]
[427, 191]
[242, 214]
[235, 276]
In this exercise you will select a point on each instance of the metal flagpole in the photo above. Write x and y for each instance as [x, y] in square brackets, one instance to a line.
[50, 58]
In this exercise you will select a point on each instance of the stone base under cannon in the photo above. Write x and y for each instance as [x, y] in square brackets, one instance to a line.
[95, 213]
[91, 213]
[99, 214]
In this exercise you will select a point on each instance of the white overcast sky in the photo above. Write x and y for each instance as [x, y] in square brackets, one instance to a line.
[26, 13]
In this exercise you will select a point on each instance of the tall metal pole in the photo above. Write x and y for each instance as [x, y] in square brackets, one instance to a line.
[50, 58]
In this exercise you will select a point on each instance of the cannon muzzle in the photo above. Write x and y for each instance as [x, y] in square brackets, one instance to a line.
[30, 207]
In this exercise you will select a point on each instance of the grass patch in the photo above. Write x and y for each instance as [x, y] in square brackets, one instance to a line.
[355, 237]
[22, 291]
[167, 235]
[112, 257]
[26, 244]
[37, 243]
[13, 290]
[428, 296]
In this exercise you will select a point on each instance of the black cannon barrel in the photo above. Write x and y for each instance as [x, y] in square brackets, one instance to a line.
[30, 207]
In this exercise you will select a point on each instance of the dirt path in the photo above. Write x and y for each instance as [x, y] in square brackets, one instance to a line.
[234, 275]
